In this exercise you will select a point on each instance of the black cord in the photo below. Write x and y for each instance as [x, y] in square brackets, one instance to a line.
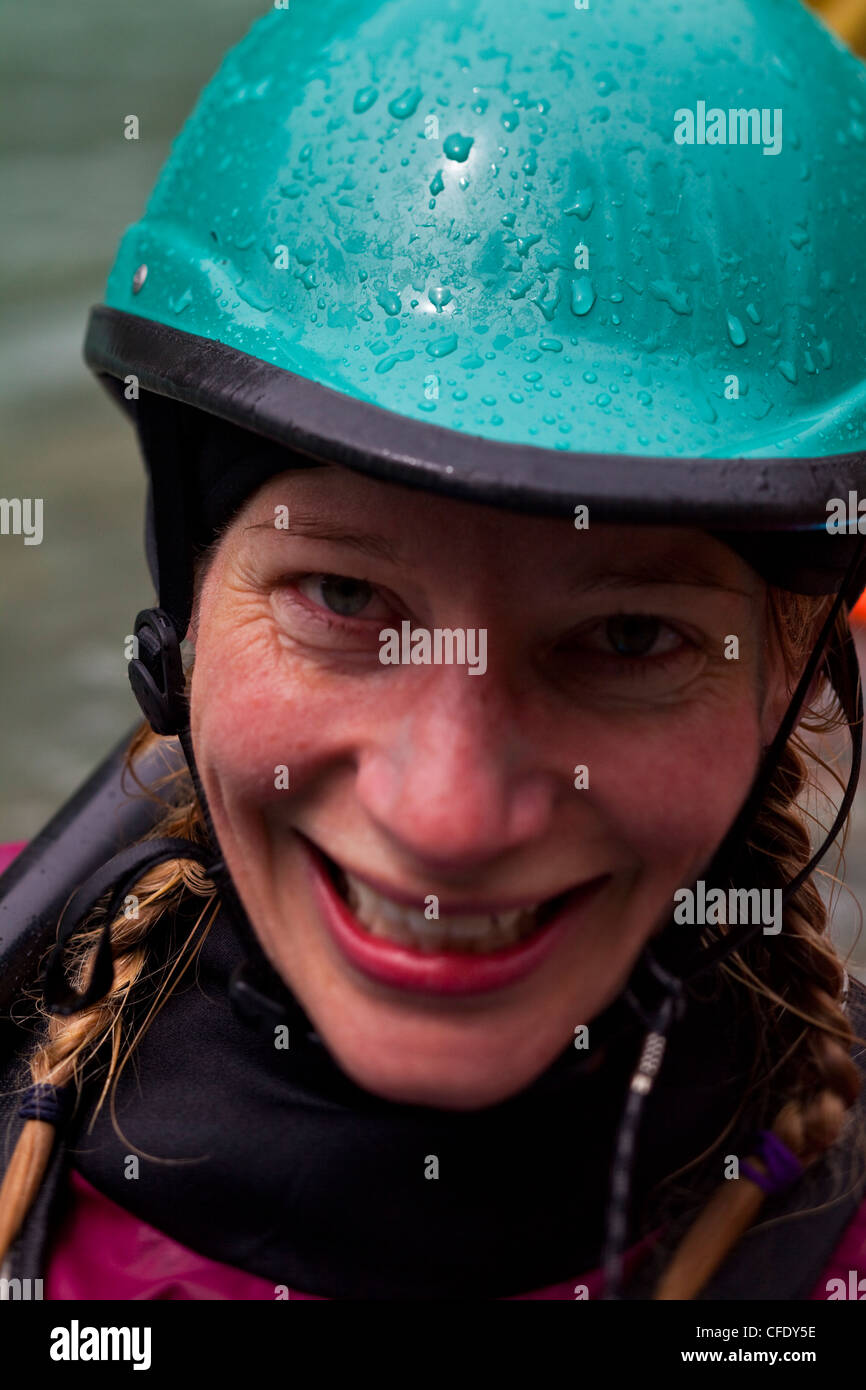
[642, 1081]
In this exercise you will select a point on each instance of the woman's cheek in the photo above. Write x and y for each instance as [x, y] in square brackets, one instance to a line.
[267, 720]
[676, 784]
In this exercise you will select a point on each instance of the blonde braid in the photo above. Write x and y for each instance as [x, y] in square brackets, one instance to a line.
[70, 1042]
[795, 984]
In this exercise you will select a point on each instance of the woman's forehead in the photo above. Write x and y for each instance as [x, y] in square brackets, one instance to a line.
[406, 526]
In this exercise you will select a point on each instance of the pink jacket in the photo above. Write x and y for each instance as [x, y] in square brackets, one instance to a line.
[100, 1251]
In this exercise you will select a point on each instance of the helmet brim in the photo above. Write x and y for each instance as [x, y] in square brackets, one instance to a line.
[773, 511]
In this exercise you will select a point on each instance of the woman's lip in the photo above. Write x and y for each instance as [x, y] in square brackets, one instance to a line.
[462, 907]
[438, 972]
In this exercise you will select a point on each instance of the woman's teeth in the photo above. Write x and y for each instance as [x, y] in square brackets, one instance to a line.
[408, 926]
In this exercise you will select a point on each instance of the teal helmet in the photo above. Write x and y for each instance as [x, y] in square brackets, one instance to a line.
[531, 256]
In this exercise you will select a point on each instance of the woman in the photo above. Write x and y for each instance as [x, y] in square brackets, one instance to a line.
[479, 951]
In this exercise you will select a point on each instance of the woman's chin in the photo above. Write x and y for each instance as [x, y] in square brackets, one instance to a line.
[439, 1072]
[459, 1052]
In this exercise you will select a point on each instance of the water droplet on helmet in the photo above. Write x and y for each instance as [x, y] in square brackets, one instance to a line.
[605, 83]
[457, 147]
[406, 104]
[443, 346]
[364, 99]
[584, 202]
[440, 296]
[669, 293]
[736, 331]
[389, 301]
[386, 363]
[582, 296]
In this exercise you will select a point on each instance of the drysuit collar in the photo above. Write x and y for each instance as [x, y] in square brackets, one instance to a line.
[291, 1171]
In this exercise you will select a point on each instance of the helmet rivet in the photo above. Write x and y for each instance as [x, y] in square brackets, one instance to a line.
[139, 278]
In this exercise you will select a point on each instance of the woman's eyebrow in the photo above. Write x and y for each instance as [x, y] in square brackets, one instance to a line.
[319, 528]
[658, 570]
[688, 571]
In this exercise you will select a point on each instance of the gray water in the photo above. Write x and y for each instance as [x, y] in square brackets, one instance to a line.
[69, 74]
[69, 184]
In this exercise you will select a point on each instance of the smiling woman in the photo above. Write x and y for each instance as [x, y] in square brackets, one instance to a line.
[447, 1036]
[415, 783]
[467, 795]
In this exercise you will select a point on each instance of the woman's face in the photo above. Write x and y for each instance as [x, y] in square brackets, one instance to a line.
[431, 959]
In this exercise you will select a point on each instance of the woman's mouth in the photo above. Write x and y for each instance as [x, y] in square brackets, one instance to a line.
[435, 947]
[469, 933]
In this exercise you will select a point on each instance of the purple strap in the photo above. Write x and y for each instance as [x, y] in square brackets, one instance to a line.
[42, 1101]
[783, 1167]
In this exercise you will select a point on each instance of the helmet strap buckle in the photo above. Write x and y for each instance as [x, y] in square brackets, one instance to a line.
[156, 673]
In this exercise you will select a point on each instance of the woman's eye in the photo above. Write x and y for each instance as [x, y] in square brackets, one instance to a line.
[633, 651]
[339, 594]
[634, 634]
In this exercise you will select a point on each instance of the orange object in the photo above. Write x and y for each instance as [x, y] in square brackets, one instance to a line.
[847, 18]
[859, 614]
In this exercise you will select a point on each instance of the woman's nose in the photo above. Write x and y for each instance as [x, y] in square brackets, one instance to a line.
[452, 779]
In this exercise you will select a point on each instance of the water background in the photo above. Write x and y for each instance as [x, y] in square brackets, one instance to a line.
[69, 185]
